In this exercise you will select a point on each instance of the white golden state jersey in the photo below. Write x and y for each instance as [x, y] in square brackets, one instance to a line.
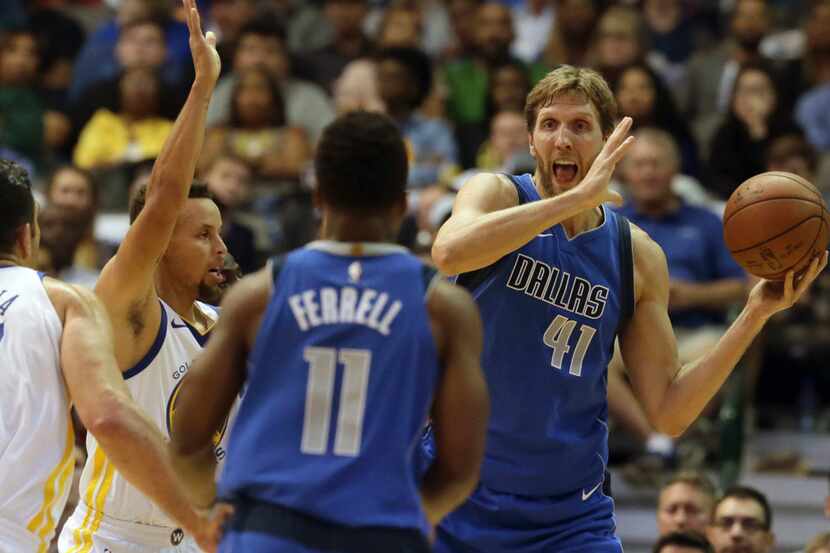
[154, 384]
[36, 436]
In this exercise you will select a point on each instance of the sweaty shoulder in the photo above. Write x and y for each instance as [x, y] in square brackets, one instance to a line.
[650, 269]
[67, 296]
[487, 192]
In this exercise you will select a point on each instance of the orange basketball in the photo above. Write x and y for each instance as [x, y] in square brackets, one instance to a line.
[775, 222]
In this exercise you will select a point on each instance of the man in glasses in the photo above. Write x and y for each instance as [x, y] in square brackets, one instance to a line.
[742, 522]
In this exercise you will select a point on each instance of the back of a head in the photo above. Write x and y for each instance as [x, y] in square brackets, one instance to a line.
[567, 79]
[683, 540]
[361, 163]
[17, 205]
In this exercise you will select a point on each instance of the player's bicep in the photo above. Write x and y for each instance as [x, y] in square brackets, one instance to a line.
[87, 355]
[647, 343]
[482, 194]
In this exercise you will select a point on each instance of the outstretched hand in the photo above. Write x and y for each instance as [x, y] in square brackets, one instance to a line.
[212, 527]
[595, 184]
[770, 297]
[202, 47]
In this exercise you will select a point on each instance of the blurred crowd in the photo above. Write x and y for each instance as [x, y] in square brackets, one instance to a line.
[719, 90]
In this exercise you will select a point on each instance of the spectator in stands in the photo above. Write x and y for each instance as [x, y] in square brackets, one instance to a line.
[685, 503]
[349, 42]
[405, 79]
[671, 36]
[229, 17]
[819, 544]
[229, 180]
[262, 45]
[508, 138]
[704, 279]
[642, 95]
[21, 110]
[619, 40]
[62, 229]
[754, 119]
[400, 27]
[712, 74]
[357, 88]
[74, 188]
[570, 37]
[682, 542]
[135, 132]
[532, 19]
[467, 77]
[792, 152]
[140, 45]
[462, 21]
[258, 133]
[99, 58]
[742, 521]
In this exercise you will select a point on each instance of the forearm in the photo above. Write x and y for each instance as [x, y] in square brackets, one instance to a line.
[137, 450]
[442, 492]
[718, 294]
[198, 473]
[696, 383]
[471, 245]
[174, 168]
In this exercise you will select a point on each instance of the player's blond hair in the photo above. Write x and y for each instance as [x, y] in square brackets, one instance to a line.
[567, 79]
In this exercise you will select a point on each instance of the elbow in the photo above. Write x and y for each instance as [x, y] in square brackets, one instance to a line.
[668, 425]
[444, 258]
[108, 426]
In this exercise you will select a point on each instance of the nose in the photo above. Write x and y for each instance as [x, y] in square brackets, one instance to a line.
[562, 139]
[221, 248]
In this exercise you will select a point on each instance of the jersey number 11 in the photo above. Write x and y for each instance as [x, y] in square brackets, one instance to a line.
[322, 367]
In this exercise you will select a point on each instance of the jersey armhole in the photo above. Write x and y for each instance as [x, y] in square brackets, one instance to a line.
[626, 255]
[276, 263]
[429, 276]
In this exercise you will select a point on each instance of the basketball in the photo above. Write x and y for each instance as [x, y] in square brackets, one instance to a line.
[775, 222]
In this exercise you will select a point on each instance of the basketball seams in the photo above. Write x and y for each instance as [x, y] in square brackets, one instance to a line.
[809, 250]
[820, 204]
[780, 234]
[803, 183]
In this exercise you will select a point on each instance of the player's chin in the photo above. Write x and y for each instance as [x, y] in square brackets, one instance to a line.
[210, 293]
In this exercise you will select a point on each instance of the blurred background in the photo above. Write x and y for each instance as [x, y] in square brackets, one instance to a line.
[719, 90]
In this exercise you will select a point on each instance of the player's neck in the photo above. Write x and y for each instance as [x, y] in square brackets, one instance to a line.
[179, 297]
[7, 259]
[343, 228]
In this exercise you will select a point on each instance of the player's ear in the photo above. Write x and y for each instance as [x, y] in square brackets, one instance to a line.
[530, 142]
[316, 198]
[26, 241]
[402, 206]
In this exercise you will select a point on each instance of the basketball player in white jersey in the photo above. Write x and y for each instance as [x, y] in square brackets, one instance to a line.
[56, 350]
[150, 289]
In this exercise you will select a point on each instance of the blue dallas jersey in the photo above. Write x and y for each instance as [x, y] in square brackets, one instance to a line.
[551, 311]
[339, 385]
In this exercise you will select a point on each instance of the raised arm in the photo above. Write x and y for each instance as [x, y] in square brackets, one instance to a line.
[131, 441]
[462, 404]
[214, 381]
[487, 223]
[127, 279]
[673, 395]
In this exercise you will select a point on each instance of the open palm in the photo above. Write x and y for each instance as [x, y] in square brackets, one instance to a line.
[202, 47]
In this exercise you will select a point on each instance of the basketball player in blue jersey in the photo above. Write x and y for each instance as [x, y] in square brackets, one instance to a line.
[557, 276]
[349, 342]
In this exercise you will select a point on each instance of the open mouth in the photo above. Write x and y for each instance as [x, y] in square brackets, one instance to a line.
[565, 172]
[217, 274]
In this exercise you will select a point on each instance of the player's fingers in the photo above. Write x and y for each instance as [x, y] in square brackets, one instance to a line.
[620, 132]
[788, 288]
[810, 275]
[621, 150]
[197, 21]
[614, 198]
[188, 8]
[210, 37]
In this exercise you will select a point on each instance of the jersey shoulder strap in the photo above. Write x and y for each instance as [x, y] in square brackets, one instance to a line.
[626, 256]
[277, 263]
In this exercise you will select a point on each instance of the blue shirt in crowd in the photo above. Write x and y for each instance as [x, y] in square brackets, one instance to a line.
[692, 239]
